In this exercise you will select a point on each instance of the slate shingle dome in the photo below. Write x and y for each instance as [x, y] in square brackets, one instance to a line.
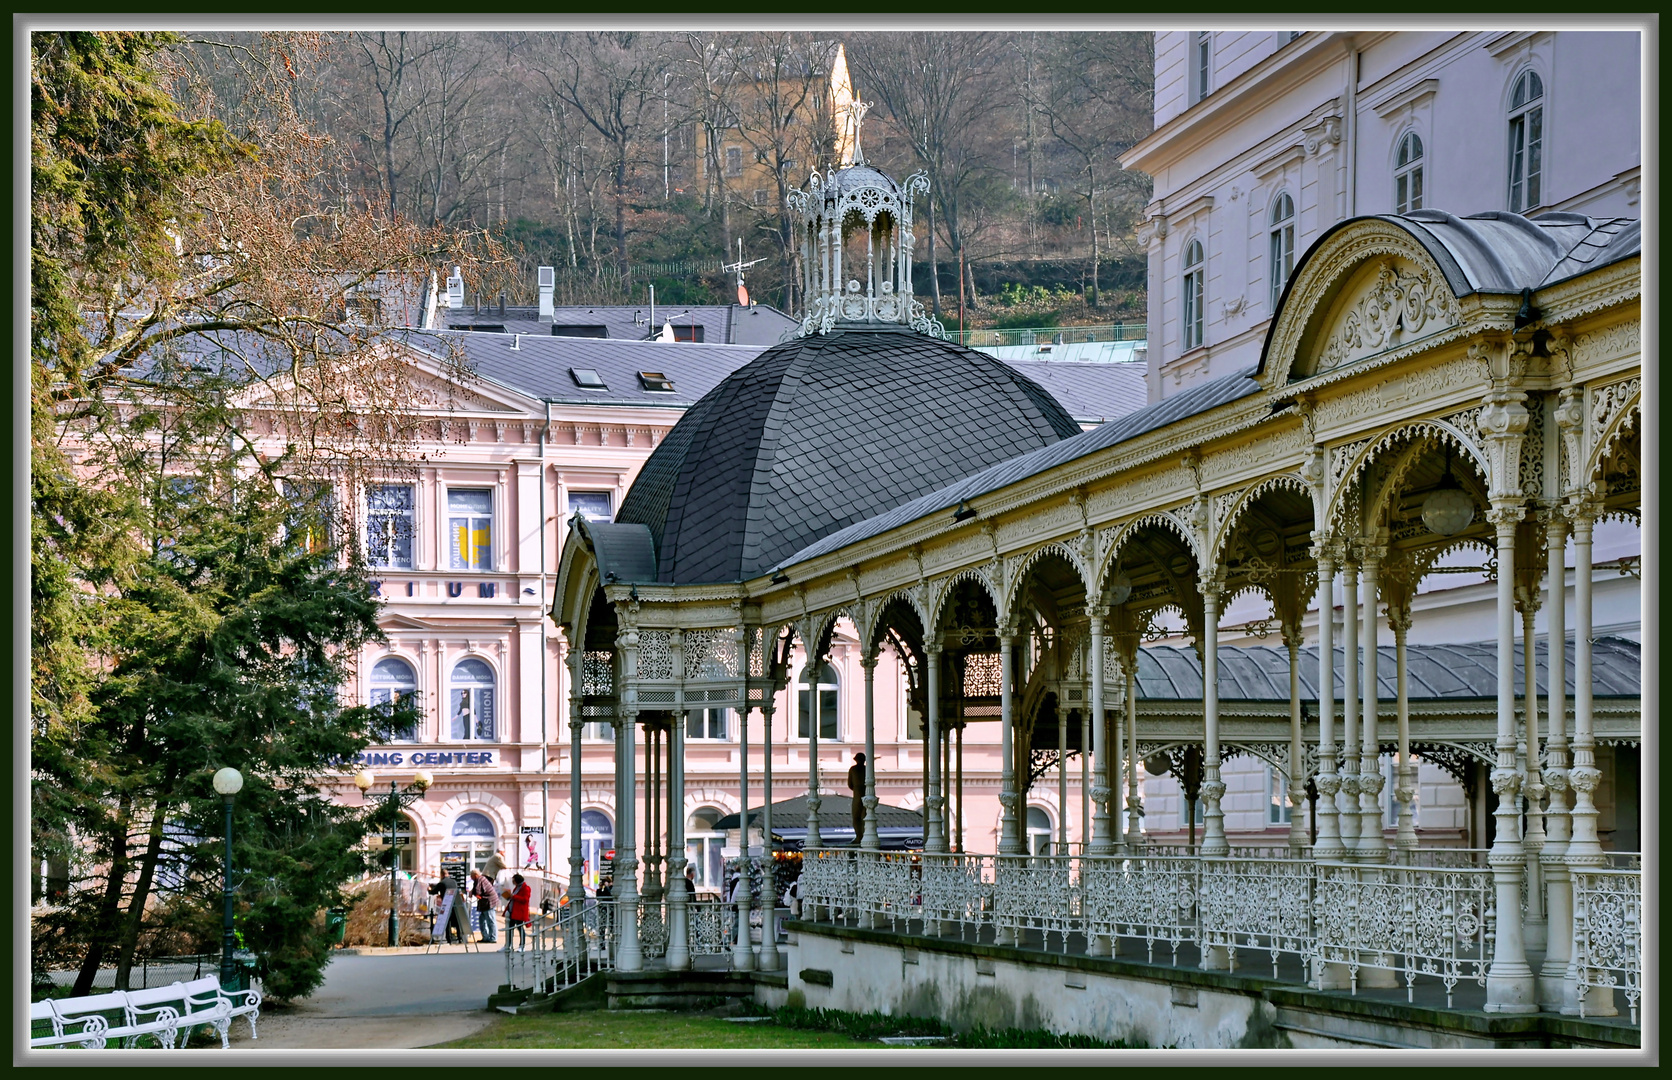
[822, 431]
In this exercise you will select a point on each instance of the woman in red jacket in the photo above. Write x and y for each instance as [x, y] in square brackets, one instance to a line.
[516, 911]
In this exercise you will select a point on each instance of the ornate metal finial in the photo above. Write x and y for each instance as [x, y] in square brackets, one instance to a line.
[853, 115]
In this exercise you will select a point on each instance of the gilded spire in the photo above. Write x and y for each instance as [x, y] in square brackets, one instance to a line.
[847, 111]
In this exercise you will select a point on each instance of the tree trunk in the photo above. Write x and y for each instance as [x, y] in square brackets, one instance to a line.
[621, 212]
[1091, 205]
[934, 265]
[105, 926]
[136, 904]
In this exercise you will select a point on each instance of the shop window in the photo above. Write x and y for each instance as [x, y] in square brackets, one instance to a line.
[389, 525]
[470, 527]
[308, 516]
[472, 714]
[406, 847]
[473, 837]
[597, 841]
[393, 683]
[591, 505]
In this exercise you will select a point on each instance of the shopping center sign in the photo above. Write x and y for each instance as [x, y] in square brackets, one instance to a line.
[374, 756]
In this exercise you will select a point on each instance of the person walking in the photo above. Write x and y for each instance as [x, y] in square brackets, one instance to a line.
[516, 911]
[487, 898]
[856, 784]
[495, 867]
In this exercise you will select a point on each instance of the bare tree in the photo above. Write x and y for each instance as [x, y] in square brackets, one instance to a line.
[939, 89]
[614, 82]
[1094, 111]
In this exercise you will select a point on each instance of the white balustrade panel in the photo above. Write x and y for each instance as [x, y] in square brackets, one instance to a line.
[1608, 933]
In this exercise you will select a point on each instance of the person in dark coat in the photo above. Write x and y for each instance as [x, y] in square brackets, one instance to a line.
[856, 784]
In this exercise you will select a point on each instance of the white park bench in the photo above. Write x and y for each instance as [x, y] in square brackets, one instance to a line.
[245, 1003]
[47, 1028]
[196, 1004]
[125, 1021]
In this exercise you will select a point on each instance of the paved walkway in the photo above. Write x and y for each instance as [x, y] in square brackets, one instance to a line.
[398, 1001]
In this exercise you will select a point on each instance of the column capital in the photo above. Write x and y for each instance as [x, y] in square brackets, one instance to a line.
[868, 660]
[1505, 515]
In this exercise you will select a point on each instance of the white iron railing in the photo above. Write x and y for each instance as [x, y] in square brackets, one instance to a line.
[1608, 934]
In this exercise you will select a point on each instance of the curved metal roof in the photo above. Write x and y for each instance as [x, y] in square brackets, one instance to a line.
[1198, 399]
[1434, 672]
[820, 432]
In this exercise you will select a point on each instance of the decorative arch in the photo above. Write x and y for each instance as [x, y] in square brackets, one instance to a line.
[943, 590]
[1366, 288]
[1025, 564]
[905, 597]
[1233, 515]
[1441, 430]
[1625, 419]
[1129, 529]
[500, 812]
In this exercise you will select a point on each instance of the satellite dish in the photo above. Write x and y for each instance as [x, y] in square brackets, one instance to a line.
[742, 296]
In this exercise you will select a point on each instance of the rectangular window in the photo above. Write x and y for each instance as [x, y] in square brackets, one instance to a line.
[383, 699]
[389, 525]
[1526, 139]
[470, 528]
[1279, 810]
[734, 161]
[1202, 64]
[706, 723]
[308, 522]
[827, 713]
[472, 717]
[688, 332]
[591, 505]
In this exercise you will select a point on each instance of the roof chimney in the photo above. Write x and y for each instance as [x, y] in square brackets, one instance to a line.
[502, 305]
[548, 285]
[455, 289]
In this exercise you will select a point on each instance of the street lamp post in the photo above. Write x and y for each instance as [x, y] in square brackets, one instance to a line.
[228, 782]
[394, 802]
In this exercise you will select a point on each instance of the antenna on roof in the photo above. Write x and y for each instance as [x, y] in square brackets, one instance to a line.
[740, 266]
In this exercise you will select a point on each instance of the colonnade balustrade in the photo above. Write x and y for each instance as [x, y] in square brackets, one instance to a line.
[1347, 910]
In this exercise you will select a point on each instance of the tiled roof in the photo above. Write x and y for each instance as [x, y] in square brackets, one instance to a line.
[1092, 393]
[1433, 672]
[1209, 395]
[823, 431]
[723, 324]
[540, 366]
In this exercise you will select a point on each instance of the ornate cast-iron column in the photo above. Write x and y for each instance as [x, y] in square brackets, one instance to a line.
[1062, 782]
[1101, 844]
[1298, 841]
[770, 958]
[811, 672]
[934, 839]
[1010, 838]
[743, 953]
[1329, 845]
[1553, 859]
[1373, 847]
[1533, 928]
[1509, 981]
[1213, 789]
[625, 871]
[577, 856]
[1349, 819]
[1584, 850]
[1134, 791]
[679, 950]
[1405, 790]
[870, 841]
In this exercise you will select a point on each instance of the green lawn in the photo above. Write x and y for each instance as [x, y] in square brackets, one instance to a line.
[642, 1030]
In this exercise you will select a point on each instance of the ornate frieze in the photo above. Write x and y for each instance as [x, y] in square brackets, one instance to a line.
[1404, 303]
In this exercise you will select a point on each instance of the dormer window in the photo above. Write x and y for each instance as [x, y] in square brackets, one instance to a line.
[656, 382]
[587, 379]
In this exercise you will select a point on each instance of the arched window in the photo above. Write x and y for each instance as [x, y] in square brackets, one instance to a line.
[829, 701]
[1193, 295]
[1039, 831]
[1282, 245]
[474, 837]
[597, 839]
[1526, 142]
[703, 844]
[393, 683]
[472, 714]
[1407, 175]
